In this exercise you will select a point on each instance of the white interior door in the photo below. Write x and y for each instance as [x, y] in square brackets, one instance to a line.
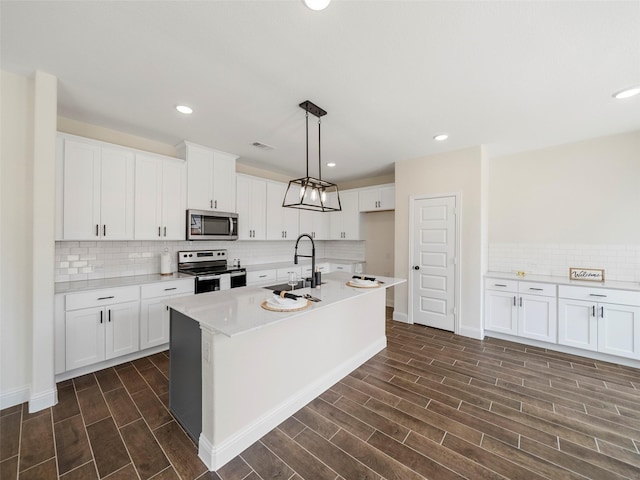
[433, 262]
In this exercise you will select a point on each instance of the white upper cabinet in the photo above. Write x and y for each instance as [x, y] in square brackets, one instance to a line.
[315, 224]
[160, 198]
[282, 223]
[377, 198]
[346, 225]
[211, 178]
[98, 191]
[252, 211]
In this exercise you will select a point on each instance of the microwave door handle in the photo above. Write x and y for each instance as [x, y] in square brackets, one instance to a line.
[230, 226]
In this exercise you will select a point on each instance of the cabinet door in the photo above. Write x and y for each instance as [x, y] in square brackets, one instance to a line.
[537, 318]
[199, 178]
[174, 200]
[577, 324]
[81, 197]
[275, 211]
[387, 198]
[368, 200]
[224, 182]
[252, 213]
[117, 194]
[148, 198]
[619, 330]
[122, 329]
[84, 337]
[500, 312]
[350, 216]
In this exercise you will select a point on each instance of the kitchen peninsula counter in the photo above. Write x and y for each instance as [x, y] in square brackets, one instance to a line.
[258, 367]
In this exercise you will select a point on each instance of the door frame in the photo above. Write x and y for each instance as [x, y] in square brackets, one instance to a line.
[456, 284]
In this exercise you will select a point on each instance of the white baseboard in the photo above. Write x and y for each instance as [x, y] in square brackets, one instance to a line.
[471, 332]
[400, 316]
[14, 397]
[43, 400]
[215, 456]
[78, 372]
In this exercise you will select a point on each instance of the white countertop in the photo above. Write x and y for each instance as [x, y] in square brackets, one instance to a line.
[81, 285]
[236, 311]
[612, 284]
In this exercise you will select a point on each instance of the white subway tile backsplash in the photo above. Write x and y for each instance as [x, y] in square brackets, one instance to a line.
[620, 262]
[95, 260]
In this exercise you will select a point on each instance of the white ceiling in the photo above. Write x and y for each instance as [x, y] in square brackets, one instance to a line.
[392, 74]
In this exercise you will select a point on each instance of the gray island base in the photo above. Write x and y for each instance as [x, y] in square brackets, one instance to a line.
[258, 367]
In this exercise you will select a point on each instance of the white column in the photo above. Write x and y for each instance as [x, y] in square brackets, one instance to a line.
[43, 388]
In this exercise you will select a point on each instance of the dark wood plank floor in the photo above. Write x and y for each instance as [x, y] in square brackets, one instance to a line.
[431, 405]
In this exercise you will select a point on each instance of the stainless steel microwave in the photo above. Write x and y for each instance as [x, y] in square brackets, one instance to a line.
[210, 225]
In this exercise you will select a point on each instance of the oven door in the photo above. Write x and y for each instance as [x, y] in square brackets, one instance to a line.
[207, 283]
[238, 279]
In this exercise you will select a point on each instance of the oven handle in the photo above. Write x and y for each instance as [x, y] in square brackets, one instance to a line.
[209, 277]
[238, 274]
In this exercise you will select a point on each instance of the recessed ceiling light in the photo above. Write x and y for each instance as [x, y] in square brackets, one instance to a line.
[441, 137]
[331, 164]
[184, 109]
[627, 92]
[317, 4]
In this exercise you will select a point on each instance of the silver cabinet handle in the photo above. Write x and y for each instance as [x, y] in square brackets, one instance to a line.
[104, 230]
[593, 310]
[261, 276]
[514, 300]
[597, 295]
[109, 317]
[105, 298]
[172, 288]
[536, 289]
[499, 285]
[159, 231]
[520, 301]
[97, 231]
[100, 316]
[601, 312]
[215, 204]
[165, 231]
[210, 203]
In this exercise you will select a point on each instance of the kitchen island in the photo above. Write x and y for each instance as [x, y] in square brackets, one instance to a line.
[258, 367]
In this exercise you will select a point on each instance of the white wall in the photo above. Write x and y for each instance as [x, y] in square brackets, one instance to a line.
[446, 173]
[27, 133]
[569, 205]
[379, 233]
[16, 231]
[586, 192]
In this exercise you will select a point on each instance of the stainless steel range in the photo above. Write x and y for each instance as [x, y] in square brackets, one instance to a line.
[211, 270]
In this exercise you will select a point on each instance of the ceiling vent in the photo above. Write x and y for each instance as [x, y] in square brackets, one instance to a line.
[263, 146]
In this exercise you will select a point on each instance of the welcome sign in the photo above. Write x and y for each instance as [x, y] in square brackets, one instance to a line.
[588, 274]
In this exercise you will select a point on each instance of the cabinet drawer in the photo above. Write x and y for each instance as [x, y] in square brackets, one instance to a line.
[283, 273]
[166, 288]
[604, 295]
[97, 298]
[342, 267]
[534, 288]
[261, 276]
[501, 284]
[322, 267]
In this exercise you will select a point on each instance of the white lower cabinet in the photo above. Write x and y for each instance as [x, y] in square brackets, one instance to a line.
[525, 309]
[154, 314]
[598, 319]
[100, 333]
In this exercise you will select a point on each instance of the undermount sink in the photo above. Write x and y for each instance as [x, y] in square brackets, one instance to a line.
[286, 286]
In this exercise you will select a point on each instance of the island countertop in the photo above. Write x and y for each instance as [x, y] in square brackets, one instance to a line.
[238, 310]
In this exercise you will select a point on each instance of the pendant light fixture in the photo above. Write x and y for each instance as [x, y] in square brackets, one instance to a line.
[310, 193]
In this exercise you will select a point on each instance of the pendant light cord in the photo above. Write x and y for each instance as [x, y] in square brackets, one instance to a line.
[319, 156]
[307, 128]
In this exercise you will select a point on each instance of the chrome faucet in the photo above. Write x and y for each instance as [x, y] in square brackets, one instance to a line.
[312, 257]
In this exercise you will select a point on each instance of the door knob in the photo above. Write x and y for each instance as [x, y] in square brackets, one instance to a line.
[416, 267]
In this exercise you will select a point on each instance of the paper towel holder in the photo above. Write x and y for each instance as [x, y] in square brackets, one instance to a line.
[165, 263]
